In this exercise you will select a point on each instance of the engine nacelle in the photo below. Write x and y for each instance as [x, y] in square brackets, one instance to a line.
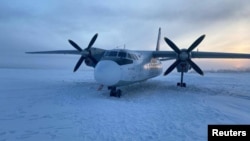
[183, 66]
[89, 62]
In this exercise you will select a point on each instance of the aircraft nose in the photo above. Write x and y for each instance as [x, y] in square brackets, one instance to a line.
[107, 72]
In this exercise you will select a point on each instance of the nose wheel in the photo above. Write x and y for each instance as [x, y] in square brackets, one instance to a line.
[181, 84]
[115, 92]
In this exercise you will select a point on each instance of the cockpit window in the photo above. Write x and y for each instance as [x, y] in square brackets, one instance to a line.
[129, 56]
[113, 53]
[122, 54]
[134, 57]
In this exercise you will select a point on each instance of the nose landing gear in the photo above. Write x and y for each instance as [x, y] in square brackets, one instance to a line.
[115, 92]
[181, 84]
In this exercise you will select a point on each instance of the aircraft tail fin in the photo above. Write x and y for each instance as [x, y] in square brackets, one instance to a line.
[158, 40]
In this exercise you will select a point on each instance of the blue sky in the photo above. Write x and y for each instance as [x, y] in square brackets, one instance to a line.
[30, 25]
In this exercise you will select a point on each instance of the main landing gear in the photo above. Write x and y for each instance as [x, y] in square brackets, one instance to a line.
[181, 84]
[115, 92]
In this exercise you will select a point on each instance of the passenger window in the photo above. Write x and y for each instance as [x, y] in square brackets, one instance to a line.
[122, 54]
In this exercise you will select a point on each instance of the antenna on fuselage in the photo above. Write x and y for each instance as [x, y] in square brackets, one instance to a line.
[120, 46]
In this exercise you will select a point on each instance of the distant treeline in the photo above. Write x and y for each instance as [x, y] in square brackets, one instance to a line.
[226, 70]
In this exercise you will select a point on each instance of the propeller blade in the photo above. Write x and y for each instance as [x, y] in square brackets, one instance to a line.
[196, 43]
[195, 67]
[172, 45]
[92, 41]
[78, 64]
[172, 67]
[75, 45]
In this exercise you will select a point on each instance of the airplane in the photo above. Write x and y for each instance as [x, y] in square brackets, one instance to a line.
[120, 67]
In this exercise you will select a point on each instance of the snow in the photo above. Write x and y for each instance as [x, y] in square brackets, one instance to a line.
[62, 105]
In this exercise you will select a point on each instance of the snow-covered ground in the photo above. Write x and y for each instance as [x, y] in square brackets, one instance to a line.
[62, 105]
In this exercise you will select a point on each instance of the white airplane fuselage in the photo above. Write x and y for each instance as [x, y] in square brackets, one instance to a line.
[120, 67]
[124, 67]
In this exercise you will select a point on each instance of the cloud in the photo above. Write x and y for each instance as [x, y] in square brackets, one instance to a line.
[47, 25]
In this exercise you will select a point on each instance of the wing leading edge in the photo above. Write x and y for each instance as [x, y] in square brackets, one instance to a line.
[219, 55]
[73, 52]
[209, 55]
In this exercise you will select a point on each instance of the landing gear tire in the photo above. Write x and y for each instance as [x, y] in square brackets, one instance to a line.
[112, 93]
[118, 93]
[181, 84]
[115, 93]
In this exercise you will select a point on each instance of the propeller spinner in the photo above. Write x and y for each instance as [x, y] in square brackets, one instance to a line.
[86, 53]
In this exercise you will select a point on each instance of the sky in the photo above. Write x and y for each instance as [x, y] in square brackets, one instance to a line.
[40, 25]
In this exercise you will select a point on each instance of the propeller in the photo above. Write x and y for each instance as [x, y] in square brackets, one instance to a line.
[184, 55]
[86, 53]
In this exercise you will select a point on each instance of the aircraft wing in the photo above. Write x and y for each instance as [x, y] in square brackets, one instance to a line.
[94, 51]
[220, 55]
[57, 52]
[165, 54]
[93, 55]
[169, 55]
